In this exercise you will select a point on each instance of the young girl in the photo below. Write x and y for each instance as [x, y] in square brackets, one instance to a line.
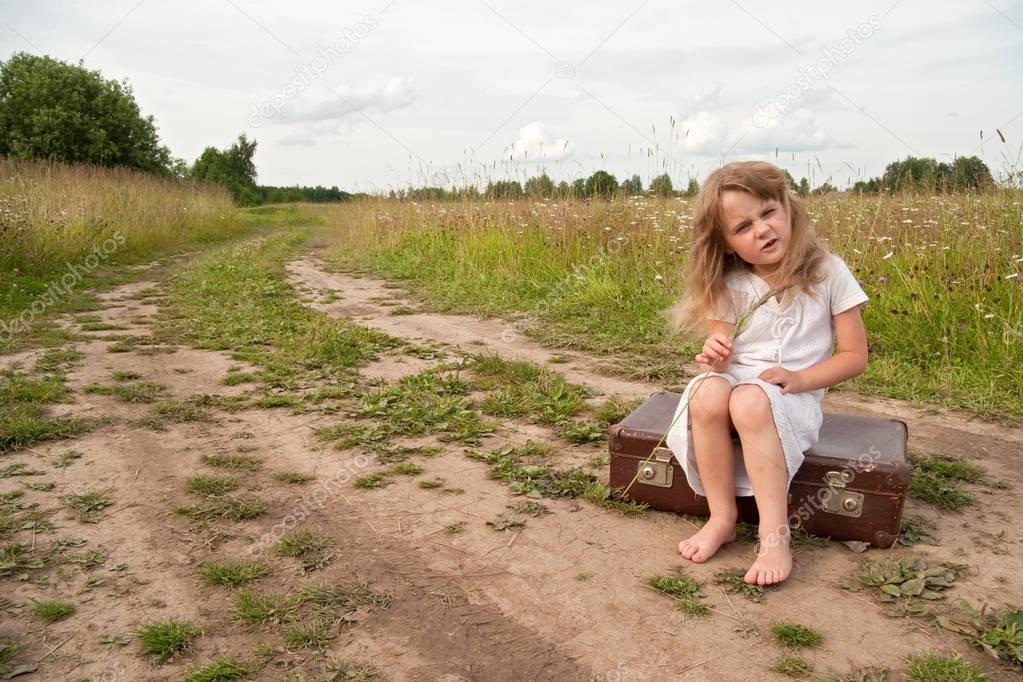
[752, 236]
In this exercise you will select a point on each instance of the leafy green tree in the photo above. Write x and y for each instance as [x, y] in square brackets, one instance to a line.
[911, 173]
[633, 185]
[601, 184]
[50, 109]
[693, 188]
[564, 189]
[826, 188]
[969, 172]
[233, 168]
[661, 186]
[872, 186]
[579, 188]
[504, 189]
[965, 173]
[540, 186]
[803, 189]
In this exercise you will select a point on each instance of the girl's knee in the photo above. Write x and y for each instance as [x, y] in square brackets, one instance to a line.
[709, 400]
[749, 406]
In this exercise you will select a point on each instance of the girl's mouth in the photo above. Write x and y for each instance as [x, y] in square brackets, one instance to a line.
[769, 245]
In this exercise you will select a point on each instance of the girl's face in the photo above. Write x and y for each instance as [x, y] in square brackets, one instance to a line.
[756, 229]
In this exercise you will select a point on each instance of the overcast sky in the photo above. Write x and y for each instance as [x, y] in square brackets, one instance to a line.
[375, 95]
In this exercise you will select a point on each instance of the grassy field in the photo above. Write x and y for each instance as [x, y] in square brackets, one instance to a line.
[62, 227]
[945, 321]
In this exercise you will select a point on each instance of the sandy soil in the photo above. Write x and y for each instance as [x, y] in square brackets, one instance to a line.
[562, 598]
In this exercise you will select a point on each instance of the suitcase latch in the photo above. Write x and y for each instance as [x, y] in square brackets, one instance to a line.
[838, 500]
[658, 471]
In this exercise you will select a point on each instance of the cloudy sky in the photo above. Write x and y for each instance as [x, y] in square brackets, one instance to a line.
[376, 95]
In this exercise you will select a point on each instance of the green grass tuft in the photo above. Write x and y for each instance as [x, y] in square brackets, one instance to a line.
[259, 609]
[129, 392]
[222, 669]
[311, 549]
[936, 668]
[520, 388]
[174, 411]
[241, 462]
[293, 477]
[795, 635]
[233, 572]
[235, 378]
[52, 611]
[793, 666]
[682, 589]
[377, 479]
[165, 640]
[312, 634]
[407, 469]
[937, 480]
[235, 509]
[211, 486]
[602, 495]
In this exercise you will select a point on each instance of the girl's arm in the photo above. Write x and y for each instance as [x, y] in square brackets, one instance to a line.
[850, 359]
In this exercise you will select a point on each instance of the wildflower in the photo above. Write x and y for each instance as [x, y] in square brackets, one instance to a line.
[989, 316]
[882, 279]
[1012, 276]
[658, 278]
[888, 255]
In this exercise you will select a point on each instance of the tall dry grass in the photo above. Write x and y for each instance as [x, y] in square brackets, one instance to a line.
[51, 214]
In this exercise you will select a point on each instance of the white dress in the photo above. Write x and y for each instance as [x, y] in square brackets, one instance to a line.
[795, 334]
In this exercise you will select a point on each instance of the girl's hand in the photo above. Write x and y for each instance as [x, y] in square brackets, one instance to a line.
[790, 382]
[716, 348]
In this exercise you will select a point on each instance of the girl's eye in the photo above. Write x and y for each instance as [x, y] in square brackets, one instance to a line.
[769, 211]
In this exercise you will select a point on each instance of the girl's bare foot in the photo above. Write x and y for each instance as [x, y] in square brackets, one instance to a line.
[774, 561]
[705, 542]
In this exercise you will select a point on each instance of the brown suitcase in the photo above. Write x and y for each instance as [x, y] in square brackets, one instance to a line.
[851, 486]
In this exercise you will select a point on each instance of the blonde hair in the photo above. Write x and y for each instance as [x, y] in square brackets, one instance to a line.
[709, 261]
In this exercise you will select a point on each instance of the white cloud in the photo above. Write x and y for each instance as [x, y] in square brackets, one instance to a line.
[797, 131]
[705, 133]
[532, 145]
[379, 96]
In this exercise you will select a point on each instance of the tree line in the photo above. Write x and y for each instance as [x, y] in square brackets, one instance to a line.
[50, 109]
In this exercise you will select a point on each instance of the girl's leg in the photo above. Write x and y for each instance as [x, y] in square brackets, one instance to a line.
[715, 459]
[751, 413]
